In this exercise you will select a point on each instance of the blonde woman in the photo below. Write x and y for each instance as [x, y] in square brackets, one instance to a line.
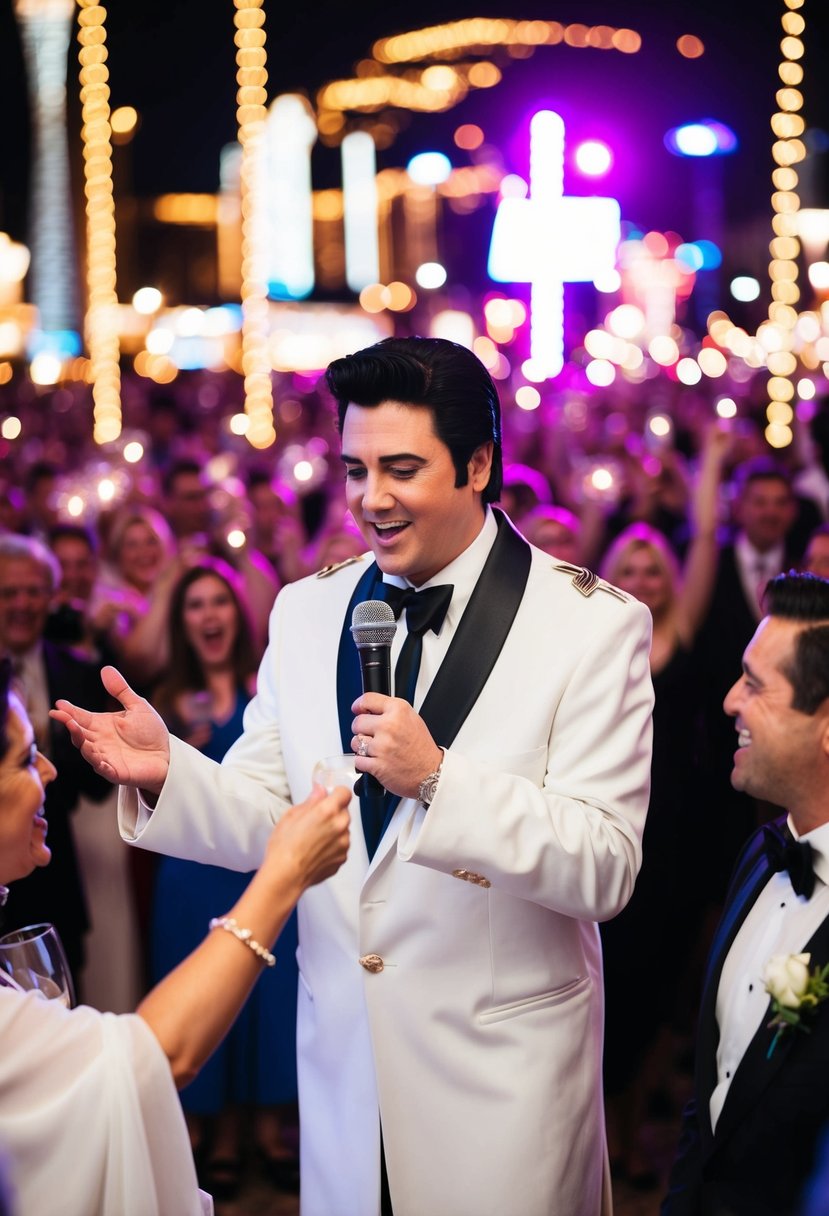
[654, 935]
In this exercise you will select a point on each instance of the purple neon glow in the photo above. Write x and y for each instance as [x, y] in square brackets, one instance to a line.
[550, 239]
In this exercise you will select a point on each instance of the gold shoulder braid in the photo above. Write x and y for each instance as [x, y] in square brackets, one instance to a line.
[326, 570]
[586, 582]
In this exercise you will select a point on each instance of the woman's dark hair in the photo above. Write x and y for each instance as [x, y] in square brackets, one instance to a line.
[443, 376]
[184, 671]
[804, 598]
[5, 689]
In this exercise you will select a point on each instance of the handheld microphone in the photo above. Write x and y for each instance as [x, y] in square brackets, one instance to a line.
[373, 627]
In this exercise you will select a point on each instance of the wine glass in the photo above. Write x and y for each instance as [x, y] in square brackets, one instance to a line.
[35, 960]
[331, 771]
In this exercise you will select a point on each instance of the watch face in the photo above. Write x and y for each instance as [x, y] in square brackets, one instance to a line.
[428, 788]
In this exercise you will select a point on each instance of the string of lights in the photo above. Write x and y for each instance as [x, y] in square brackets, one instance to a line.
[101, 323]
[251, 117]
[393, 78]
[787, 151]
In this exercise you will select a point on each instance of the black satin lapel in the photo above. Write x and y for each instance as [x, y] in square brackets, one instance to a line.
[747, 886]
[480, 635]
[478, 640]
[349, 676]
[756, 1070]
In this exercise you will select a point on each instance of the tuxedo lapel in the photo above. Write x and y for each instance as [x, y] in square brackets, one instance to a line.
[349, 676]
[757, 1069]
[349, 688]
[472, 653]
[478, 640]
[751, 877]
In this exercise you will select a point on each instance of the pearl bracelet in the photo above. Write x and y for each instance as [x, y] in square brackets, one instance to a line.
[245, 937]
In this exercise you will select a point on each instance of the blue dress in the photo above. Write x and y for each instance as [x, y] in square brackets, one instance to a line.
[256, 1063]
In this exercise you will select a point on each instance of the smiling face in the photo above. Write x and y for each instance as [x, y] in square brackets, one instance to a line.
[781, 755]
[765, 511]
[141, 555]
[643, 575]
[211, 620]
[78, 567]
[25, 596]
[24, 774]
[400, 488]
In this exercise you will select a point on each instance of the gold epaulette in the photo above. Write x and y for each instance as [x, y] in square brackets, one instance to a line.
[326, 570]
[586, 582]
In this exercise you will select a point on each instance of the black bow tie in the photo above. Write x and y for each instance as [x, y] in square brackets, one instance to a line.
[424, 609]
[786, 853]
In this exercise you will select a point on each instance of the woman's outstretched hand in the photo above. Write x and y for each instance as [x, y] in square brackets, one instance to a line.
[130, 746]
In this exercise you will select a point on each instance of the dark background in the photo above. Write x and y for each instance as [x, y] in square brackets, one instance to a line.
[174, 61]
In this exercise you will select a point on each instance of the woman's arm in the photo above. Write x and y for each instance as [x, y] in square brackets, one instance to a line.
[700, 570]
[193, 1008]
[144, 649]
[261, 587]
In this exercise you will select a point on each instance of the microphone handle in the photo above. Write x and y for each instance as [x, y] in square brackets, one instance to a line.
[375, 665]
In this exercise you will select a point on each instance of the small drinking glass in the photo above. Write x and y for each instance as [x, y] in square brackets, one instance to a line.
[331, 771]
[35, 960]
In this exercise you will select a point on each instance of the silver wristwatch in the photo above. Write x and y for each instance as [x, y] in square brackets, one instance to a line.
[429, 786]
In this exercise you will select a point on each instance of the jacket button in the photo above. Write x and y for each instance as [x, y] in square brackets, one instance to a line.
[372, 963]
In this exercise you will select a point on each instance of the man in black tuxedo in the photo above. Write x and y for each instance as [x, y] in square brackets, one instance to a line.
[764, 513]
[29, 575]
[749, 1134]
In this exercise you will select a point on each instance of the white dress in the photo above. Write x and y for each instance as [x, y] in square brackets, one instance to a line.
[90, 1122]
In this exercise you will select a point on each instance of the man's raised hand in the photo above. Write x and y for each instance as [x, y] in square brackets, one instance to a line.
[128, 747]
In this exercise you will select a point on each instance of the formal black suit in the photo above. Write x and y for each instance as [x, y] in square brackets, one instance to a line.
[762, 1152]
[55, 893]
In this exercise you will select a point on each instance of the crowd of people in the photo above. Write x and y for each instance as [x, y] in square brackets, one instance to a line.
[173, 582]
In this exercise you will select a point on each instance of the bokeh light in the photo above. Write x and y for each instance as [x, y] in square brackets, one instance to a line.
[744, 287]
[429, 168]
[430, 275]
[593, 158]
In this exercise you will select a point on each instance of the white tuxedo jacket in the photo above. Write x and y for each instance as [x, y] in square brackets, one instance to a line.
[478, 1043]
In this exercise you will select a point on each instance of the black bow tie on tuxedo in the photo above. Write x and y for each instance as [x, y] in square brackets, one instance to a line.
[786, 853]
[425, 610]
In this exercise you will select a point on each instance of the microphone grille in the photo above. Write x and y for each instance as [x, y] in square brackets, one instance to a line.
[373, 624]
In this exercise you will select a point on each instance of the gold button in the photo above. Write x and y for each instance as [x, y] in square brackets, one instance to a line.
[464, 874]
[372, 963]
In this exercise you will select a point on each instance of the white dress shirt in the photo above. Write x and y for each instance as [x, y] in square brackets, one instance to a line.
[29, 670]
[756, 568]
[463, 573]
[780, 922]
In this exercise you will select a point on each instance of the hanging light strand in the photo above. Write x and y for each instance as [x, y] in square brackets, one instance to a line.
[251, 114]
[101, 322]
[787, 151]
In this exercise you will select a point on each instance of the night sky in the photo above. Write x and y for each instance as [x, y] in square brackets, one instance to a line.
[173, 60]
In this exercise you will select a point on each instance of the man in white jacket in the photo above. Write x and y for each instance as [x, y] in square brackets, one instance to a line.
[450, 1020]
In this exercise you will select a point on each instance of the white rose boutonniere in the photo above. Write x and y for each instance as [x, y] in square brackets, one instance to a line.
[794, 992]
